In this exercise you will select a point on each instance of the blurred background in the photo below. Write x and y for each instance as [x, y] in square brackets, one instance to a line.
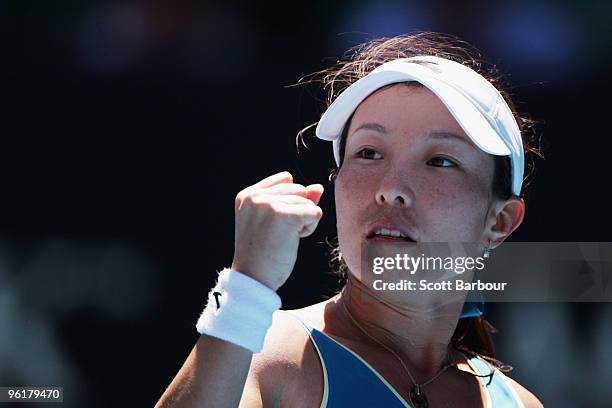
[129, 127]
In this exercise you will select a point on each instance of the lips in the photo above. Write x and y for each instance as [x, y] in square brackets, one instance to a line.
[393, 229]
[384, 238]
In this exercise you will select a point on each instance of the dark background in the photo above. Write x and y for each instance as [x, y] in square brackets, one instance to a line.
[129, 127]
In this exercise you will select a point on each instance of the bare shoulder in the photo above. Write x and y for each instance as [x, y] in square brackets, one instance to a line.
[527, 398]
[280, 362]
[284, 343]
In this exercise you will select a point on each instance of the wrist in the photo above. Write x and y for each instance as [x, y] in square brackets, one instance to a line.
[239, 310]
[254, 273]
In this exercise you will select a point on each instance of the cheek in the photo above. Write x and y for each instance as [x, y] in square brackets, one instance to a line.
[351, 198]
[353, 189]
[454, 211]
[347, 199]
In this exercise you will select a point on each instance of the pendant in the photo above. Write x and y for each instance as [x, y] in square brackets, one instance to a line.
[416, 398]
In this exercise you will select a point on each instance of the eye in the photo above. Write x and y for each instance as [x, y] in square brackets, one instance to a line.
[369, 154]
[441, 162]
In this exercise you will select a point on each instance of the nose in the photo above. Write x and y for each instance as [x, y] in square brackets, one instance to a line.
[395, 193]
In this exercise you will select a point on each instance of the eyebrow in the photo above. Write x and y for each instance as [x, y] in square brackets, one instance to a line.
[438, 135]
[448, 135]
[372, 126]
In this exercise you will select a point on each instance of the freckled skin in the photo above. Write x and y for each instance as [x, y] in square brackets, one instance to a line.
[440, 204]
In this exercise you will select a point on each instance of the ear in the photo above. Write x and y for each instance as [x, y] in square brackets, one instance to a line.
[504, 217]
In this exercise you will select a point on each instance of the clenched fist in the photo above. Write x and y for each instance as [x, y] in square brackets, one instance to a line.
[271, 217]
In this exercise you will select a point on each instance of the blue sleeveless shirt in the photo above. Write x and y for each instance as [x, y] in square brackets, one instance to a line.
[349, 381]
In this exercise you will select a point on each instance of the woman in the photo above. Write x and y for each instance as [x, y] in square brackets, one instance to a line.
[426, 151]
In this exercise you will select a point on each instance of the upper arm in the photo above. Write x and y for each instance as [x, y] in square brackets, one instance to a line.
[271, 369]
[527, 398]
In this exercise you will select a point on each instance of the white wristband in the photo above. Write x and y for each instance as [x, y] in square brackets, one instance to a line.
[239, 310]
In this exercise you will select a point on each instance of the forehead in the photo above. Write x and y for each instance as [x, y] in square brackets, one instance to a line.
[405, 107]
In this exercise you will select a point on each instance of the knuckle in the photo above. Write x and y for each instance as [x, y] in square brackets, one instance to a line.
[247, 199]
[239, 197]
[238, 202]
[277, 209]
[250, 199]
[256, 200]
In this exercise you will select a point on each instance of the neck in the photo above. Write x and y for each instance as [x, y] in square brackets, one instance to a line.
[420, 338]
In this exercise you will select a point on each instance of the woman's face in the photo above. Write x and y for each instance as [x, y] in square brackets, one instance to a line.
[409, 163]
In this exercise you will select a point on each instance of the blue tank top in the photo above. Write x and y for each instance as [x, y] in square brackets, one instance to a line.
[349, 381]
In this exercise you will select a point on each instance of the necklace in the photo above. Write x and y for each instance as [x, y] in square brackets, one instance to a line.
[416, 396]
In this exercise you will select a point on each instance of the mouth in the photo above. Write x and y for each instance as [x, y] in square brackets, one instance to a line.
[380, 234]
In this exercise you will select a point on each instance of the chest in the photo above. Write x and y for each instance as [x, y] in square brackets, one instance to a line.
[349, 389]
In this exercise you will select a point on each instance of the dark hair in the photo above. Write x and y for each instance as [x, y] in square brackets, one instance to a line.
[472, 334]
